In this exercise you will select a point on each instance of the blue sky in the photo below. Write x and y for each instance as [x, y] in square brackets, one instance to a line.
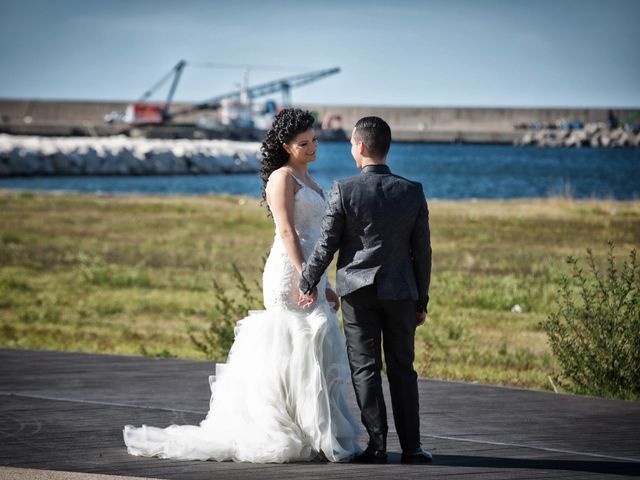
[393, 52]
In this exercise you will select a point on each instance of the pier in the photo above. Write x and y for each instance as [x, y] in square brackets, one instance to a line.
[409, 124]
[64, 412]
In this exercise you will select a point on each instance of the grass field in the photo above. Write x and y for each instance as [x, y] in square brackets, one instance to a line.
[127, 274]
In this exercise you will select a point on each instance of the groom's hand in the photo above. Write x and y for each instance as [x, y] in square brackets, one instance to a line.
[420, 318]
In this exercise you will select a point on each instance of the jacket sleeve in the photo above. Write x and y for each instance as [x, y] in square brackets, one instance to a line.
[326, 247]
[421, 253]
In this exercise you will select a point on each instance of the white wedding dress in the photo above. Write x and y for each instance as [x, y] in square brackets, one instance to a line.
[281, 395]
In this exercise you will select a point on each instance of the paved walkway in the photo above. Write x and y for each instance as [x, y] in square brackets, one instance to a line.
[64, 412]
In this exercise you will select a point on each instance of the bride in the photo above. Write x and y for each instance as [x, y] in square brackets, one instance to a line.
[281, 395]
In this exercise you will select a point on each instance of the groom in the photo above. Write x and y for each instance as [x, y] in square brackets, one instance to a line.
[380, 224]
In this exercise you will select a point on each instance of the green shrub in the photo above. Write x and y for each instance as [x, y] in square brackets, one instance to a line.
[217, 339]
[595, 331]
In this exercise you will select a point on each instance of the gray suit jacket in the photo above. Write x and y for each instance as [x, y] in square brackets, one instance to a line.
[380, 224]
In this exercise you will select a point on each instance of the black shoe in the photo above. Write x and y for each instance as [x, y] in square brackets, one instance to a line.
[371, 455]
[416, 456]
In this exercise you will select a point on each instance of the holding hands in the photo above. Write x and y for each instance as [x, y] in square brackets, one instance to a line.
[306, 300]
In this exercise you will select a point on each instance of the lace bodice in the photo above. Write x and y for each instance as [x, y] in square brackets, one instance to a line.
[280, 278]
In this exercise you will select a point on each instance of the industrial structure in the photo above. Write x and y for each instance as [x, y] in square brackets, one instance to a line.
[237, 114]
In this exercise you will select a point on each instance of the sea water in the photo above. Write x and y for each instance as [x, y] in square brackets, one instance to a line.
[445, 171]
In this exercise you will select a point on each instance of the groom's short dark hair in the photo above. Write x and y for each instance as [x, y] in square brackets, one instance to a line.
[375, 133]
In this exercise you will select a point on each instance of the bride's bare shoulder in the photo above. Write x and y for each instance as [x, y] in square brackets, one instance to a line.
[279, 174]
[280, 179]
[280, 183]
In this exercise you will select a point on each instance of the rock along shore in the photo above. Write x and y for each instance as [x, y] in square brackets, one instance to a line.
[591, 135]
[120, 155]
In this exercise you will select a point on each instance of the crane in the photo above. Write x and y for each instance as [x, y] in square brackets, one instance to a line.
[283, 84]
[142, 112]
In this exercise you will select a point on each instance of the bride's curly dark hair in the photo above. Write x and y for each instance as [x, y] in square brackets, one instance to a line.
[286, 125]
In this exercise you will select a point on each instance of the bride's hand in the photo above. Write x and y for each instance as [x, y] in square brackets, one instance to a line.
[332, 297]
[306, 300]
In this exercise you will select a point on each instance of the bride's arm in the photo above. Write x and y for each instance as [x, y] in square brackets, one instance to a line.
[280, 192]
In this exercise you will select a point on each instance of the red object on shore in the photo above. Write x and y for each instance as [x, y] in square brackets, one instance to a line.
[145, 113]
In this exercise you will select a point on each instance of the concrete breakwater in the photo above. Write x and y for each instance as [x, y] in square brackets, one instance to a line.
[591, 135]
[472, 125]
[120, 155]
[508, 126]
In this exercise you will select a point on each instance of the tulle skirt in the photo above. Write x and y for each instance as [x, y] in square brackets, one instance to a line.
[279, 398]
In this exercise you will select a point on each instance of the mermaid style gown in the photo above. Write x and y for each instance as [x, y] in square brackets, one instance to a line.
[281, 395]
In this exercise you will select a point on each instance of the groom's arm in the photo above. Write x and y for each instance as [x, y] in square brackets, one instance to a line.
[327, 245]
[421, 252]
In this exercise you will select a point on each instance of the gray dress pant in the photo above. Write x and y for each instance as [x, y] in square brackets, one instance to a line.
[368, 322]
